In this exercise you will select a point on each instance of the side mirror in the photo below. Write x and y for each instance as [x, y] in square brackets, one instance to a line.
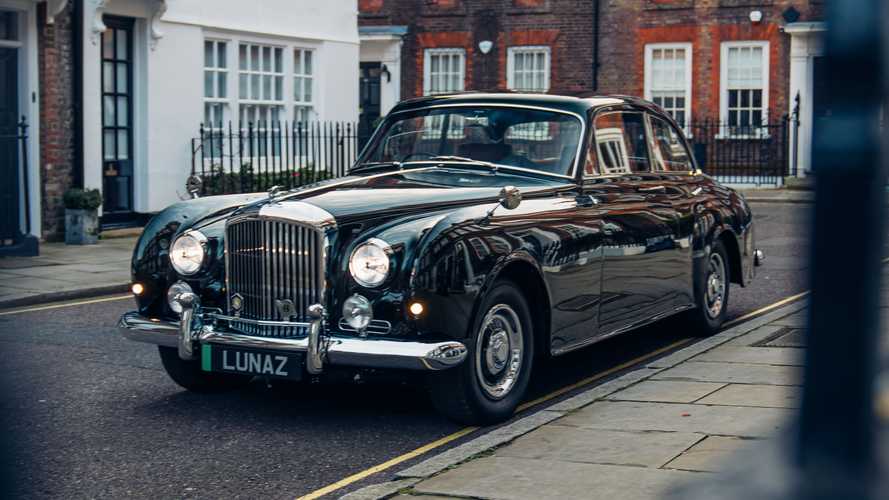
[510, 197]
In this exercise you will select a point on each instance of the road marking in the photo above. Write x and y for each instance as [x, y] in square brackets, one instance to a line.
[387, 464]
[462, 432]
[65, 304]
[763, 310]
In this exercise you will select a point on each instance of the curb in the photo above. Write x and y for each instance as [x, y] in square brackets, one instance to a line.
[81, 293]
[503, 435]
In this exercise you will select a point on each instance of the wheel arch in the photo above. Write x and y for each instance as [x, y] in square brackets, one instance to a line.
[732, 247]
[522, 269]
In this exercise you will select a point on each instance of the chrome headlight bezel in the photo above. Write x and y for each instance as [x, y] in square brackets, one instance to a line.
[378, 250]
[178, 261]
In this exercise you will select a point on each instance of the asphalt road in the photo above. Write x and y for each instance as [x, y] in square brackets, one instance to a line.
[90, 414]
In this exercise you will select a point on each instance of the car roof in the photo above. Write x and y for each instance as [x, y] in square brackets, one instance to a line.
[576, 104]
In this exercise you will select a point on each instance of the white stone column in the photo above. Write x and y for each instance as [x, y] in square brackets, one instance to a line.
[805, 45]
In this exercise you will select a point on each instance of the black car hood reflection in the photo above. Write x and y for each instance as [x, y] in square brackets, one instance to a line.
[419, 189]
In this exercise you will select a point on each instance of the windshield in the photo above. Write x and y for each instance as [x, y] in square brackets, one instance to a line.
[545, 141]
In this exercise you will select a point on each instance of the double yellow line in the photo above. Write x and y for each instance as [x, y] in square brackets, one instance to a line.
[358, 476]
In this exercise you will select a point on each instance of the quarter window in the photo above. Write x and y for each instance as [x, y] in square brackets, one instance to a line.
[668, 79]
[669, 149]
[260, 83]
[621, 143]
[744, 87]
[215, 83]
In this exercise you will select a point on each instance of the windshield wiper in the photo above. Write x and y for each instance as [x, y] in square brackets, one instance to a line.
[463, 159]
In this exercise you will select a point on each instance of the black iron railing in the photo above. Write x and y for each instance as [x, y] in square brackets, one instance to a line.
[254, 157]
[758, 154]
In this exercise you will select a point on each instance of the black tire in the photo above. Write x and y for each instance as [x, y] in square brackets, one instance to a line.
[459, 392]
[188, 374]
[703, 321]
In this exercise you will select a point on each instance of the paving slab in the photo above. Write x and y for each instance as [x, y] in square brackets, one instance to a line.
[666, 391]
[754, 355]
[766, 396]
[712, 454]
[718, 420]
[796, 320]
[519, 479]
[744, 373]
[594, 446]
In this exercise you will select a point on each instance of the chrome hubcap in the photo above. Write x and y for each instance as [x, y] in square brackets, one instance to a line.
[498, 355]
[716, 283]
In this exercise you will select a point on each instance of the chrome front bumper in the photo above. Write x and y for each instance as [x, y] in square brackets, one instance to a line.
[320, 349]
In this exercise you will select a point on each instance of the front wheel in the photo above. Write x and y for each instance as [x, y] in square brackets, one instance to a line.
[711, 288]
[489, 385]
[188, 374]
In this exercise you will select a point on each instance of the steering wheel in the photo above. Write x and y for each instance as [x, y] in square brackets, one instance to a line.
[417, 153]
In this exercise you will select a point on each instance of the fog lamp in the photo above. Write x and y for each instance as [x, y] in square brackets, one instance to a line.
[416, 308]
[137, 288]
[357, 312]
[173, 292]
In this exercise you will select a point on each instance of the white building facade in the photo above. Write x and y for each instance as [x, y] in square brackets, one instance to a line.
[155, 70]
[147, 74]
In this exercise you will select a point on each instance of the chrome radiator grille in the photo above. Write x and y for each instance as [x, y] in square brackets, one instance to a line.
[268, 262]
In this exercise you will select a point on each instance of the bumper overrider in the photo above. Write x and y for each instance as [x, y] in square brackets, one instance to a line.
[197, 327]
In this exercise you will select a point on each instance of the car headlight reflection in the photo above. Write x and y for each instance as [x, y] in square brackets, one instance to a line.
[188, 252]
[369, 263]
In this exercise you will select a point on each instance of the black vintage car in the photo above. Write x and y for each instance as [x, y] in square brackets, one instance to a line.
[475, 233]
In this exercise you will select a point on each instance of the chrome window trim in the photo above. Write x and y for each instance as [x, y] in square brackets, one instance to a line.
[579, 117]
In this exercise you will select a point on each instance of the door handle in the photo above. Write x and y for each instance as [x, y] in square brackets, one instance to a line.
[653, 189]
[586, 200]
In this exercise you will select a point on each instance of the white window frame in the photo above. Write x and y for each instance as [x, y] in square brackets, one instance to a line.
[224, 102]
[649, 75]
[303, 76]
[528, 49]
[255, 106]
[760, 133]
[427, 67]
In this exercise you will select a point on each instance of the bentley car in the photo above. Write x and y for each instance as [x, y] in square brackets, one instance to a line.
[475, 234]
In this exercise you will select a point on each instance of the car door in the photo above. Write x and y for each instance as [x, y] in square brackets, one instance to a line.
[683, 189]
[639, 225]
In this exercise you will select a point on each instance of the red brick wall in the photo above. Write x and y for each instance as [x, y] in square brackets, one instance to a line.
[627, 26]
[55, 54]
[564, 25]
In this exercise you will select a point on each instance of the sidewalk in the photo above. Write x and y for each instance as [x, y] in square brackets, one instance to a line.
[66, 272]
[641, 435]
[778, 195]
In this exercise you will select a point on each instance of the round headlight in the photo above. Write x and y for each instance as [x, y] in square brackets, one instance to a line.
[188, 252]
[174, 290]
[369, 263]
[357, 312]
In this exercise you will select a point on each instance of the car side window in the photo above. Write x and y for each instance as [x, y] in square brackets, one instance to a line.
[621, 143]
[670, 153]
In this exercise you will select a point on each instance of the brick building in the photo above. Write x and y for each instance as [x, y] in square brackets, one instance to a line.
[738, 62]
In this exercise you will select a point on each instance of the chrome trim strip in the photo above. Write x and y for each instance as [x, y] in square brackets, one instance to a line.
[376, 327]
[580, 139]
[341, 349]
[257, 322]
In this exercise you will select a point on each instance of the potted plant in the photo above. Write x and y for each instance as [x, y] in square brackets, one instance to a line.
[81, 216]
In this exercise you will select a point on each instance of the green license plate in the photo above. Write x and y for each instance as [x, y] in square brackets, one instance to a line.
[262, 363]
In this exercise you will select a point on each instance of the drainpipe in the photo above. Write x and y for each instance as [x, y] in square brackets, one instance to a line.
[595, 46]
[77, 92]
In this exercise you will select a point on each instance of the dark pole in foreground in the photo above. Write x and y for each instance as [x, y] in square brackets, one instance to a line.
[836, 448]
